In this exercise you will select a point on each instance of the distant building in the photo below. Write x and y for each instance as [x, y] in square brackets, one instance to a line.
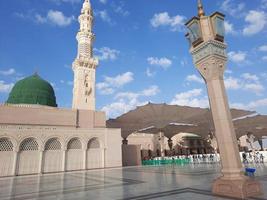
[182, 144]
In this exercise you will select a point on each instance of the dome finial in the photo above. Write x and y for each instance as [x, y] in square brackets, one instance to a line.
[36, 71]
[201, 11]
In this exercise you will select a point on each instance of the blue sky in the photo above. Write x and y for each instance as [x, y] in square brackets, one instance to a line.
[144, 56]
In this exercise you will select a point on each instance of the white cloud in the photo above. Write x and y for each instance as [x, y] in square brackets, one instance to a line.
[127, 95]
[175, 23]
[106, 53]
[111, 83]
[228, 71]
[194, 78]
[192, 98]
[119, 8]
[263, 48]
[251, 105]
[251, 77]
[55, 17]
[233, 9]
[232, 83]
[5, 87]
[229, 28]
[151, 91]
[248, 82]
[103, 14]
[127, 101]
[162, 62]
[237, 57]
[120, 107]
[149, 73]
[255, 87]
[8, 72]
[256, 21]
[120, 80]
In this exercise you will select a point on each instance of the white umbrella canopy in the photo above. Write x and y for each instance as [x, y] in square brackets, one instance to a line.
[170, 119]
[171, 129]
[154, 118]
[257, 125]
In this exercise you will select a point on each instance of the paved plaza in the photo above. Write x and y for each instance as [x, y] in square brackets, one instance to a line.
[159, 182]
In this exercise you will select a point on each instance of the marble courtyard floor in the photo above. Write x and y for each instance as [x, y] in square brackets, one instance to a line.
[140, 183]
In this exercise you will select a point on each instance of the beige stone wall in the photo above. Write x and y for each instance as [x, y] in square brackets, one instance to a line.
[43, 124]
[131, 155]
[147, 141]
[47, 116]
[113, 149]
[79, 156]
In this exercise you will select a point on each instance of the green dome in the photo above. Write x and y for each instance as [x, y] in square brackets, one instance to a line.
[32, 90]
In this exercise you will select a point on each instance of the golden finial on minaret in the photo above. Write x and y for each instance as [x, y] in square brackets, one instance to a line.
[201, 11]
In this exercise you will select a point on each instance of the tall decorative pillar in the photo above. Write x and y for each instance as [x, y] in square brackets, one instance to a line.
[206, 38]
[125, 141]
[161, 143]
[85, 64]
[261, 143]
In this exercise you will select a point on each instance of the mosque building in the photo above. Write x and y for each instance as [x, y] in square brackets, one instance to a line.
[38, 137]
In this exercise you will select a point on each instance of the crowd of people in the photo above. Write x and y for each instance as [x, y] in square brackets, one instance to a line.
[251, 157]
[246, 157]
[194, 158]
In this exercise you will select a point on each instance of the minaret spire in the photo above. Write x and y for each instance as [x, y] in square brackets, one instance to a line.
[86, 4]
[201, 11]
[85, 63]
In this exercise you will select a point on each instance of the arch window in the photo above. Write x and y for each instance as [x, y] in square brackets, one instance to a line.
[29, 144]
[74, 143]
[93, 144]
[53, 145]
[6, 145]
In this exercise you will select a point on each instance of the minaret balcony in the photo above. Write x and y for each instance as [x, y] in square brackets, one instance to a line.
[90, 63]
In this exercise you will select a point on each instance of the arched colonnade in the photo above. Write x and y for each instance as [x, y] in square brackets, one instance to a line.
[32, 156]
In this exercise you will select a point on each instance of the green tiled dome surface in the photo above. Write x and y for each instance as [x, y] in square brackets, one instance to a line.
[33, 90]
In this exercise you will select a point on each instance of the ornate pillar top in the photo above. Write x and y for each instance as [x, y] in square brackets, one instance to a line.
[201, 11]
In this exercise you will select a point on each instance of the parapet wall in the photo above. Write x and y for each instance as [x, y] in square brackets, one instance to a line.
[48, 116]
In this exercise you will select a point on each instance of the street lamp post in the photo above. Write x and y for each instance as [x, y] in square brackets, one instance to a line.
[208, 49]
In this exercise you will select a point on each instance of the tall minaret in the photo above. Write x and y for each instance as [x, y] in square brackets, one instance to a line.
[85, 64]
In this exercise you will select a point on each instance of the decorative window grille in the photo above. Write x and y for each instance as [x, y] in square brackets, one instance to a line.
[52, 145]
[6, 145]
[93, 144]
[75, 143]
[85, 49]
[29, 144]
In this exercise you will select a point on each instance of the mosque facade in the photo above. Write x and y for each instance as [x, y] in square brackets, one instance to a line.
[38, 137]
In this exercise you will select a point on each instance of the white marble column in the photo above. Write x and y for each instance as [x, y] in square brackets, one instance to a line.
[103, 157]
[15, 161]
[41, 153]
[161, 142]
[64, 160]
[84, 159]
